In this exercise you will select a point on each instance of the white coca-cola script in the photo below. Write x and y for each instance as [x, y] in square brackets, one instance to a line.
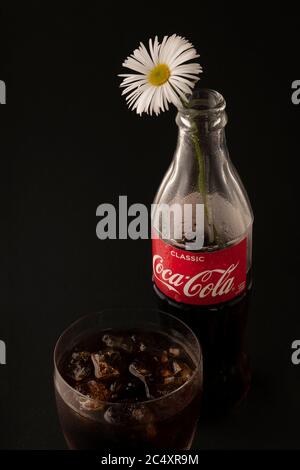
[200, 278]
[199, 284]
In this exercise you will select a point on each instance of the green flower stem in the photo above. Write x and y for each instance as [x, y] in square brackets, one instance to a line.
[201, 176]
[202, 184]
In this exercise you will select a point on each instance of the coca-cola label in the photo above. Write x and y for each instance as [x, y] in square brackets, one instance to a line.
[200, 278]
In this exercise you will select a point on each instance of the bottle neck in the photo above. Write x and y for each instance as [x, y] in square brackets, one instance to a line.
[211, 144]
[202, 124]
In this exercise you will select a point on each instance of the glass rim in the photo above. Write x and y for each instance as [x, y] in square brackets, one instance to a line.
[198, 104]
[123, 403]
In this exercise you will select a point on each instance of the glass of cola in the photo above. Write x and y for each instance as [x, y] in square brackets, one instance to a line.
[128, 379]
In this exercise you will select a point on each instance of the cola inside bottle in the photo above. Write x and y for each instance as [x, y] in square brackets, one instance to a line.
[207, 287]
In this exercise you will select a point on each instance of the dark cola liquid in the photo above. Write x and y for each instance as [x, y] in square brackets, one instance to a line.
[135, 390]
[221, 333]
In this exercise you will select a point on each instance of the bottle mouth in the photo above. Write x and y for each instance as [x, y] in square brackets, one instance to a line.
[203, 111]
[203, 101]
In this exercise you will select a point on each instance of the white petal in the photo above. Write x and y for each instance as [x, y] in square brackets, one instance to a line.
[132, 103]
[128, 81]
[178, 83]
[171, 95]
[143, 102]
[149, 100]
[157, 102]
[168, 46]
[133, 64]
[154, 49]
[188, 82]
[176, 46]
[140, 95]
[130, 76]
[136, 93]
[144, 57]
[178, 91]
[184, 57]
[154, 101]
[183, 48]
[193, 78]
[165, 99]
[187, 68]
[133, 86]
[162, 49]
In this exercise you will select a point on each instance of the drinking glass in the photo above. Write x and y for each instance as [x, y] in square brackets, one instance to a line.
[167, 422]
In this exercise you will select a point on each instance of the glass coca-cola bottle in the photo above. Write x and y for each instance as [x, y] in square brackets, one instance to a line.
[208, 287]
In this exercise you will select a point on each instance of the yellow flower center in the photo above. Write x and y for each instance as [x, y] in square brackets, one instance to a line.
[159, 75]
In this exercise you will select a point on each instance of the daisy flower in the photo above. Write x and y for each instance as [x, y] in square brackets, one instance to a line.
[164, 74]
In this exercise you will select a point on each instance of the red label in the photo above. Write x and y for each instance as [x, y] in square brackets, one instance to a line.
[200, 278]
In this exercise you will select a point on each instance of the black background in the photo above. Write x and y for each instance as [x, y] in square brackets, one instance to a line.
[68, 143]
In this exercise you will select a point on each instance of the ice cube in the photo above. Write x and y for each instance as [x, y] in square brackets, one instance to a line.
[139, 370]
[169, 380]
[115, 387]
[146, 344]
[142, 413]
[184, 371]
[166, 372]
[118, 342]
[172, 377]
[95, 394]
[102, 369]
[120, 415]
[175, 352]
[140, 344]
[128, 413]
[176, 367]
[110, 356]
[137, 342]
[80, 366]
[130, 389]
[164, 358]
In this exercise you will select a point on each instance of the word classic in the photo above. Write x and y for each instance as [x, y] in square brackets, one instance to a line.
[2, 353]
[2, 92]
[296, 92]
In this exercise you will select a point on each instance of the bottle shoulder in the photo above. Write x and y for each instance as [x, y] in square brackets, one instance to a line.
[225, 223]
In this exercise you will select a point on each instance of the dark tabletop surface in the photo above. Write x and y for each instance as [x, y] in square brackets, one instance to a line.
[68, 143]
